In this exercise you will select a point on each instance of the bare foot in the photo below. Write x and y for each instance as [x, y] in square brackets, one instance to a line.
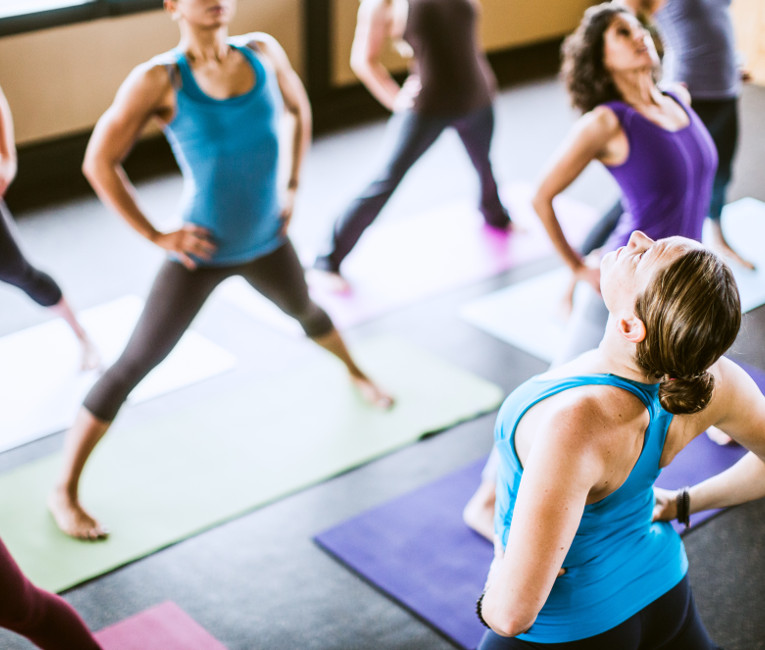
[718, 436]
[327, 281]
[90, 359]
[372, 393]
[726, 251]
[72, 519]
[722, 247]
[478, 513]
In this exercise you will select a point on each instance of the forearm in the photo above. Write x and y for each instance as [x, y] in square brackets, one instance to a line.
[546, 212]
[744, 481]
[115, 190]
[378, 82]
[300, 143]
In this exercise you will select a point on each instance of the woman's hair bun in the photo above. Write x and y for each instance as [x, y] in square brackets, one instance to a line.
[683, 395]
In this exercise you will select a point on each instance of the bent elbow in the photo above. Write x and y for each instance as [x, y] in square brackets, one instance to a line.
[509, 621]
[361, 65]
[540, 201]
[512, 626]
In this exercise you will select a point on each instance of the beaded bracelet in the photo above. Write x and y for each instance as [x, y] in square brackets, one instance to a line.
[683, 501]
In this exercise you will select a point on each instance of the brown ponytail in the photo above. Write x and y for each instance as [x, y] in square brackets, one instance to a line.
[692, 313]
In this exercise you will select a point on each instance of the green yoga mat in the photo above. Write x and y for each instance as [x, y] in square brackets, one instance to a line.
[218, 458]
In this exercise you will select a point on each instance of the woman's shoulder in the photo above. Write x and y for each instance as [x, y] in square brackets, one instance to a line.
[154, 74]
[604, 118]
[679, 92]
[258, 41]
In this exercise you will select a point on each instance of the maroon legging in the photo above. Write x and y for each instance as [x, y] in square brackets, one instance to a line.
[45, 619]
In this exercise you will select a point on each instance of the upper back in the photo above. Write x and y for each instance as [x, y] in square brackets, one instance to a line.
[637, 467]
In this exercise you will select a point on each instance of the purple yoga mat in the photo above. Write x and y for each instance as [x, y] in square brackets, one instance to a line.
[163, 627]
[417, 550]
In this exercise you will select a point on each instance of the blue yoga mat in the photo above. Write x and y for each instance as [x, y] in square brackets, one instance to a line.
[417, 550]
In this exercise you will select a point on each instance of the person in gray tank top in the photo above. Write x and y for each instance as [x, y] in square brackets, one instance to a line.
[701, 53]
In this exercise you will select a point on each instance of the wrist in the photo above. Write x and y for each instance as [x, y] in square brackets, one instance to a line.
[683, 504]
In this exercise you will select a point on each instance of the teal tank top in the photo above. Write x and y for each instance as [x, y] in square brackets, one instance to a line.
[619, 561]
[228, 152]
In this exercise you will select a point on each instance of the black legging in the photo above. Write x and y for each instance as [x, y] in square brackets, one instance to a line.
[410, 134]
[16, 270]
[175, 299]
[670, 622]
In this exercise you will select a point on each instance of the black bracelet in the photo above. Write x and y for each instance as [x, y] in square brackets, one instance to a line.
[478, 609]
[683, 501]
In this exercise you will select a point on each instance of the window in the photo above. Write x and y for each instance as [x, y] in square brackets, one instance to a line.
[28, 15]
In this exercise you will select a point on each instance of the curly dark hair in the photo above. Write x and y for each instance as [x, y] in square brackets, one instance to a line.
[587, 80]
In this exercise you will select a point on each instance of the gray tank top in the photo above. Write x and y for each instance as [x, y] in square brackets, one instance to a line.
[700, 47]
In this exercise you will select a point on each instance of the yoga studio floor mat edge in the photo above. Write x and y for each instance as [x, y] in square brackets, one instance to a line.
[235, 451]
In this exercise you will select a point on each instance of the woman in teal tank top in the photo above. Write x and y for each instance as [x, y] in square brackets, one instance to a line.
[580, 563]
[219, 101]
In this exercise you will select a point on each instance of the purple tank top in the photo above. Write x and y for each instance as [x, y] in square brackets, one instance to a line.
[454, 74]
[666, 181]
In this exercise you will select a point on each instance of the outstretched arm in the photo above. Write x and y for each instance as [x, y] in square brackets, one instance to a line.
[297, 105]
[373, 28]
[143, 95]
[739, 410]
[7, 146]
[589, 140]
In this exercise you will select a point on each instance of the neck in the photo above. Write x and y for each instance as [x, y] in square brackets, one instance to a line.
[616, 355]
[204, 45]
[637, 87]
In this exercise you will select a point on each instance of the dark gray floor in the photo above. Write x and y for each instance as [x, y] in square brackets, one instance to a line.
[259, 581]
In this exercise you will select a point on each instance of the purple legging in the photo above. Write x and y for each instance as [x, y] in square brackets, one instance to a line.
[45, 619]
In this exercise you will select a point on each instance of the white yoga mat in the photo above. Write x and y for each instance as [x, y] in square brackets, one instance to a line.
[42, 385]
[528, 315]
[399, 262]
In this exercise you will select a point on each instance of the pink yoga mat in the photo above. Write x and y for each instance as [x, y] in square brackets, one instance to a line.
[399, 262]
[163, 627]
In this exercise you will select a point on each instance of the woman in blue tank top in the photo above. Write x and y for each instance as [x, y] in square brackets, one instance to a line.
[219, 101]
[580, 563]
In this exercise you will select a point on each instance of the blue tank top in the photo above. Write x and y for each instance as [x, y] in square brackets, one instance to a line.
[619, 561]
[227, 150]
[666, 181]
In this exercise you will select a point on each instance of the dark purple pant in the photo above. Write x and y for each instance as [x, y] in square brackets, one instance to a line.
[45, 619]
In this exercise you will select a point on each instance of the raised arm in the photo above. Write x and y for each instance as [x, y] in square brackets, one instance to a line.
[559, 474]
[7, 146]
[147, 93]
[297, 105]
[590, 139]
[373, 28]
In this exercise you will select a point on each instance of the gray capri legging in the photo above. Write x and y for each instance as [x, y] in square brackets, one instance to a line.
[175, 299]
